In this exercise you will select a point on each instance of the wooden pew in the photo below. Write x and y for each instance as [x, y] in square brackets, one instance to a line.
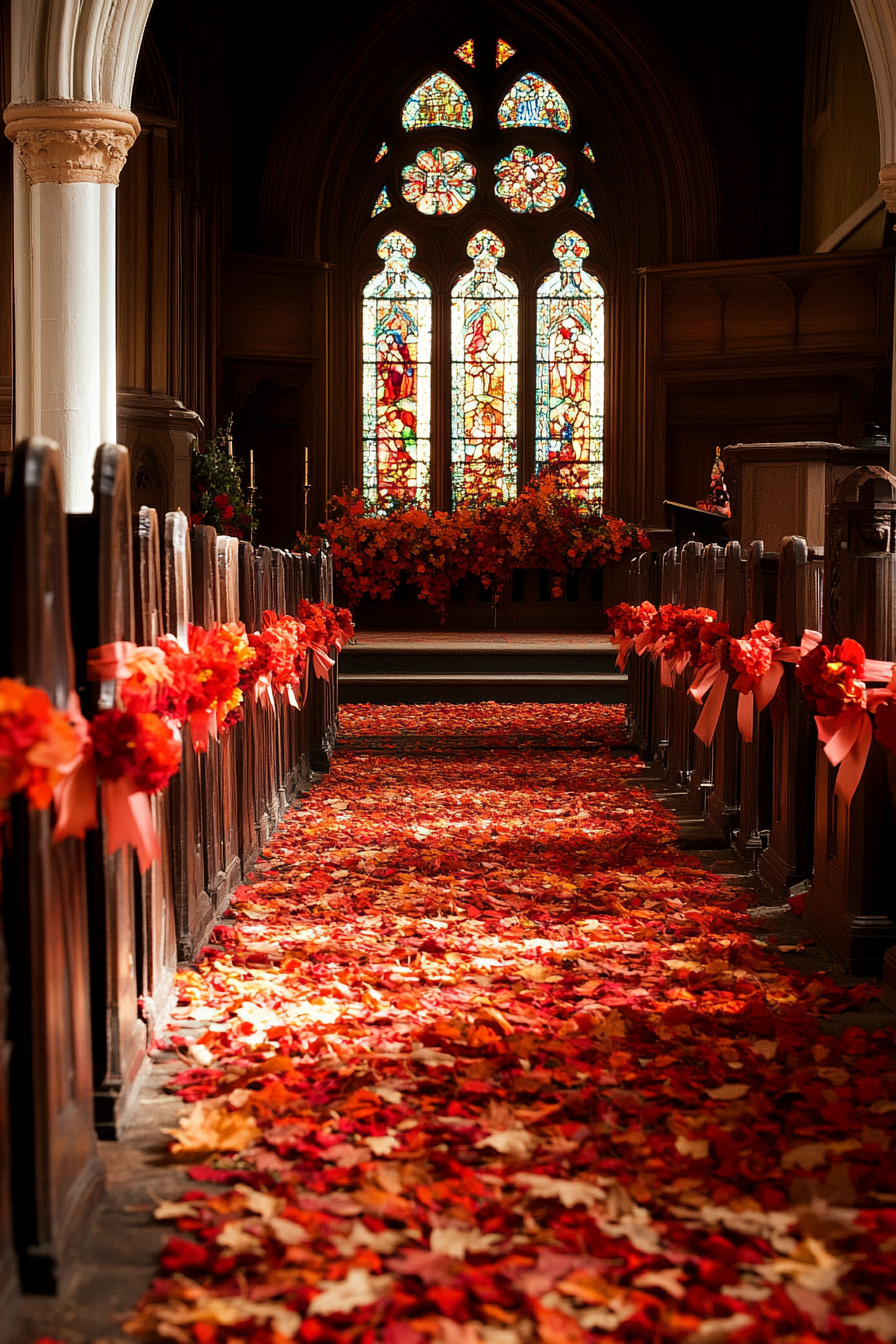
[267, 755]
[787, 860]
[56, 1174]
[670, 579]
[227, 556]
[680, 760]
[712, 583]
[156, 938]
[850, 905]
[249, 741]
[756, 756]
[102, 601]
[194, 908]
[723, 803]
[211, 784]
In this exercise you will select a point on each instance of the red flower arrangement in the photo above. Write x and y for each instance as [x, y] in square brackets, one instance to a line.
[627, 622]
[832, 681]
[37, 743]
[140, 747]
[545, 527]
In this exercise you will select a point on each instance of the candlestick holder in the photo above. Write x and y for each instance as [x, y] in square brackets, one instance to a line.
[250, 491]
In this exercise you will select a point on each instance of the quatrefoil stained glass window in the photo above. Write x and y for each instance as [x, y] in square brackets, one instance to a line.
[457, 405]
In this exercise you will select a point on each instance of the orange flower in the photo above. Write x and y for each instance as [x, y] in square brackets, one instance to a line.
[37, 742]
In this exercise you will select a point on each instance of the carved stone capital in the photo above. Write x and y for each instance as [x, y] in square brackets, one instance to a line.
[66, 141]
[887, 177]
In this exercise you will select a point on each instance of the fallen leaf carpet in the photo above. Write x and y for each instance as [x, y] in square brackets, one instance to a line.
[485, 1058]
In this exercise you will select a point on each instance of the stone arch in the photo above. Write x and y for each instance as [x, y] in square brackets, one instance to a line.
[78, 51]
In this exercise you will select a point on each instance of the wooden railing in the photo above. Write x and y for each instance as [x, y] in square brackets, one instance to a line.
[773, 798]
[91, 944]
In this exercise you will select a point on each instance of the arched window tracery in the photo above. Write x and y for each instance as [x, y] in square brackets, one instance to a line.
[569, 366]
[484, 359]
[397, 377]
[467, 384]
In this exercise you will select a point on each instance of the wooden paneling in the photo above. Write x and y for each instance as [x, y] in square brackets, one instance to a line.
[790, 348]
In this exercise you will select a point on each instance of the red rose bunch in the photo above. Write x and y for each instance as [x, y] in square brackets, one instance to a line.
[628, 621]
[680, 641]
[140, 747]
[280, 652]
[833, 680]
[749, 658]
[714, 638]
[320, 628]
[37, 742]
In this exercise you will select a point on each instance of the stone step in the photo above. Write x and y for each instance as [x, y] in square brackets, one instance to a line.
[478, 660]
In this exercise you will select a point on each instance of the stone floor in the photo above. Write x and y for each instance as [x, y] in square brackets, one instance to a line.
[122, 1242]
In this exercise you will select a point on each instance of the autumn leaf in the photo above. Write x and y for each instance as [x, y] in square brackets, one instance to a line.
[358, 1289]
[211, 1128]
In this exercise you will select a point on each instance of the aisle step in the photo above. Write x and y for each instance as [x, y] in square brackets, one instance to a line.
[426, 672]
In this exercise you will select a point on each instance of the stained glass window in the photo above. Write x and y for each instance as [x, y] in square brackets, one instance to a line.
[528, 181]
[382, 203]
[397, 355]
[439, 101]
[465, 51]
[583, 203]
[503, 52]
[534, 102]
[484, 338]
[569, 369]
[440, 182]
[588, 152]
[381, 152]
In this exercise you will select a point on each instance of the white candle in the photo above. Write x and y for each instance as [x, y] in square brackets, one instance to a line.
[251, 467]
[306, 464]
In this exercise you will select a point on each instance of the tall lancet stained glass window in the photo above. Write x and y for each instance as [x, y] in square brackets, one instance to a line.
[397, 336]
[569, 370]
[484, 354]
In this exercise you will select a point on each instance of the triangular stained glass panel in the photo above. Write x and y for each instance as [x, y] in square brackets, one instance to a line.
[438, 101]
[382, 203]
[381, 152]
[588, 152]
[465, 52]
[583, 203]
[533, 101]
[504, 52]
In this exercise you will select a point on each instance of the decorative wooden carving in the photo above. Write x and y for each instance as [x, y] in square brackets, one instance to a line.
[56, 1173]
[788, 858]
[756, 756]
[723, 804]
[156, 940]
[849, 906]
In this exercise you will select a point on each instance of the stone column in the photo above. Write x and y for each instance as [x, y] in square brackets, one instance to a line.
[70, 154]
[887, 178]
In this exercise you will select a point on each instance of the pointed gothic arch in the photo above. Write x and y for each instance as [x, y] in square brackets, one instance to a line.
[321, 183]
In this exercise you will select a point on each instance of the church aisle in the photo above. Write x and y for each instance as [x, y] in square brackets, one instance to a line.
[485, 1058]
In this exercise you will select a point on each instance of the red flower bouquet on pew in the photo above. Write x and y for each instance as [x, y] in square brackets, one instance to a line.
[37, 743]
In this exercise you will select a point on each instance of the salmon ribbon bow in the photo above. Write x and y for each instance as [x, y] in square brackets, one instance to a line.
[126, 809]
[756, 662]
[834, 686]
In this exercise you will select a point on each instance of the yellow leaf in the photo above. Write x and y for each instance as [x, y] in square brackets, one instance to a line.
[211, 1128]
